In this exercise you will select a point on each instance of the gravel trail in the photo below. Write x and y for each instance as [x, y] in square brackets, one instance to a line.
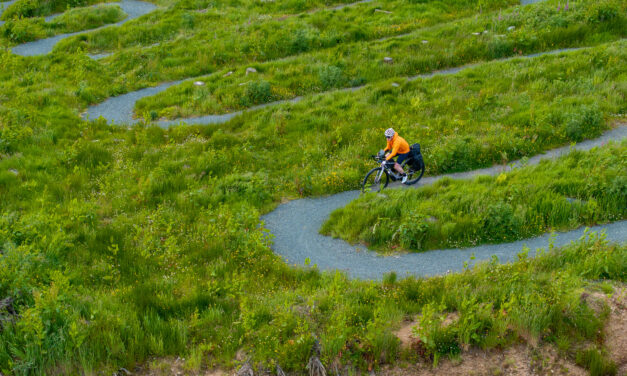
[133, 9]
[3, 6]
[119, 110]
[295, 227]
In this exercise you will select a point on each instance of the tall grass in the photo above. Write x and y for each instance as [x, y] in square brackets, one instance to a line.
[537, 28]
[23, 30]
[119, 245]
[583, 188]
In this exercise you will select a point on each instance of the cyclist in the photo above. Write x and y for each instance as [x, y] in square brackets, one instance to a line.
[398, 147]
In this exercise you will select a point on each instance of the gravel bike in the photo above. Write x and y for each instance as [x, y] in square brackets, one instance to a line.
[379, 177]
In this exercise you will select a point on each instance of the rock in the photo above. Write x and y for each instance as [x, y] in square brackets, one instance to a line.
[250, 70]
[199, 83]
[511, 28]
[485, 31]
[388, 60]
[476, 33]
[425, 41]
[228, 74]
[14, 171]
[394, 84]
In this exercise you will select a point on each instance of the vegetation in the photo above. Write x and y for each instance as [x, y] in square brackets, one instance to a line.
[583, 188]
[452, 44]
[186, 43]
[24, 30]
[119, 244]
[40, 8]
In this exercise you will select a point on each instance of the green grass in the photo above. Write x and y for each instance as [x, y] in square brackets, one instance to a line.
[537, 28]
[121, 245]
[583, 188]
[39, 8]
[192, 44]
[22, 30]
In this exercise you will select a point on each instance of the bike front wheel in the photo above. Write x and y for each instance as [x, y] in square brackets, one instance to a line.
[413, 175]
[375, 180]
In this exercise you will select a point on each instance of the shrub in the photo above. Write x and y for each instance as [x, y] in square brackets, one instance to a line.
[257, 92]
[330, 77]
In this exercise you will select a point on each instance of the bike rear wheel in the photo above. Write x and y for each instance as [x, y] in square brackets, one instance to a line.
[375, 180]
[412, 175]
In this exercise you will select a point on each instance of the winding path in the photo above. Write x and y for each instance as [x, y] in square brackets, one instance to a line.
[119, 110]
[133, 8]
[295, 227]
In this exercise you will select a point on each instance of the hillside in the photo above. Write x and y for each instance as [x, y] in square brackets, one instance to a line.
[166, 167]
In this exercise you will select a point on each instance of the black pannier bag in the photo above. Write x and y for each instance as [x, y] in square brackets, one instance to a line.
[416, 156]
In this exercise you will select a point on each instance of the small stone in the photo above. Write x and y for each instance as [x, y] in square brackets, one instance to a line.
[511, 28]
[425, 41]
[485, 31]
[394, 84]
[250, 70]
[14, 171]
[228, 74]
[388, 60]
[199, 83]
[476, 33]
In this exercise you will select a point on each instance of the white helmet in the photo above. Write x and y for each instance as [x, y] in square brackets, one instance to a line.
[389, 132]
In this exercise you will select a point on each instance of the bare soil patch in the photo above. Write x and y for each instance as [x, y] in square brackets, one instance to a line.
[517, 360]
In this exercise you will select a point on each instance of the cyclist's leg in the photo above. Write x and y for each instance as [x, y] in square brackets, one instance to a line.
[399, 160]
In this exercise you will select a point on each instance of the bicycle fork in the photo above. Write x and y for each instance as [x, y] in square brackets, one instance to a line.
[379, 175]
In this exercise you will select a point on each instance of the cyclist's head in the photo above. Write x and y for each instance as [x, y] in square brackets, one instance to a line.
[389, 133]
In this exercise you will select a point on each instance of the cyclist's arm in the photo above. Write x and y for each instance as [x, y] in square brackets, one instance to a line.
[392, 153]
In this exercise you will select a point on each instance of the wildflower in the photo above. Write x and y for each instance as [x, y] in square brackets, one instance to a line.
[558, 7]
[566, 7]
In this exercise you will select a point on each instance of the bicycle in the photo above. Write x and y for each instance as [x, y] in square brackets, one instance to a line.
[379, 177]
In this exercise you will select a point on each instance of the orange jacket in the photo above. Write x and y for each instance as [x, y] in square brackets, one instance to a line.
[398, 145]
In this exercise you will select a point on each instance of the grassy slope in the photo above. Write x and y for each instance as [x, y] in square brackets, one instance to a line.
[516, 205]
[119, 245]
[539, 28]
[28, 29]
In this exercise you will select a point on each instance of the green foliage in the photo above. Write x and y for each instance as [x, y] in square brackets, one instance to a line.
[583, 188]
[120, 245]
[38, 8]
[450, 44]
[22, 30]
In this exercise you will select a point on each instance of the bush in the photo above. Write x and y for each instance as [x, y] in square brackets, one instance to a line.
[583, 123]
[331, 77]
[256, 93]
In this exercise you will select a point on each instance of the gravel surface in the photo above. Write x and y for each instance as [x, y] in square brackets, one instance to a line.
[119, 109]
[295, 225]
[3, 6]
[132, 8]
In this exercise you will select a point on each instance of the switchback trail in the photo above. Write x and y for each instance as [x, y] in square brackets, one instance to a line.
[119, 110]
[133, 9]
[295, 227]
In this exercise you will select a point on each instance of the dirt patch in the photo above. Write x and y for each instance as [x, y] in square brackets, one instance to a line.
[173, 367]
[516, 361]
[616, 329]
[406, 334]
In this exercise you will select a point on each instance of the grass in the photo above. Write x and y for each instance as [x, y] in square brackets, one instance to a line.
[39, 8]
[583, 188]
[22, 30]
[538, 28]
[233, 37]
[124, 244]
